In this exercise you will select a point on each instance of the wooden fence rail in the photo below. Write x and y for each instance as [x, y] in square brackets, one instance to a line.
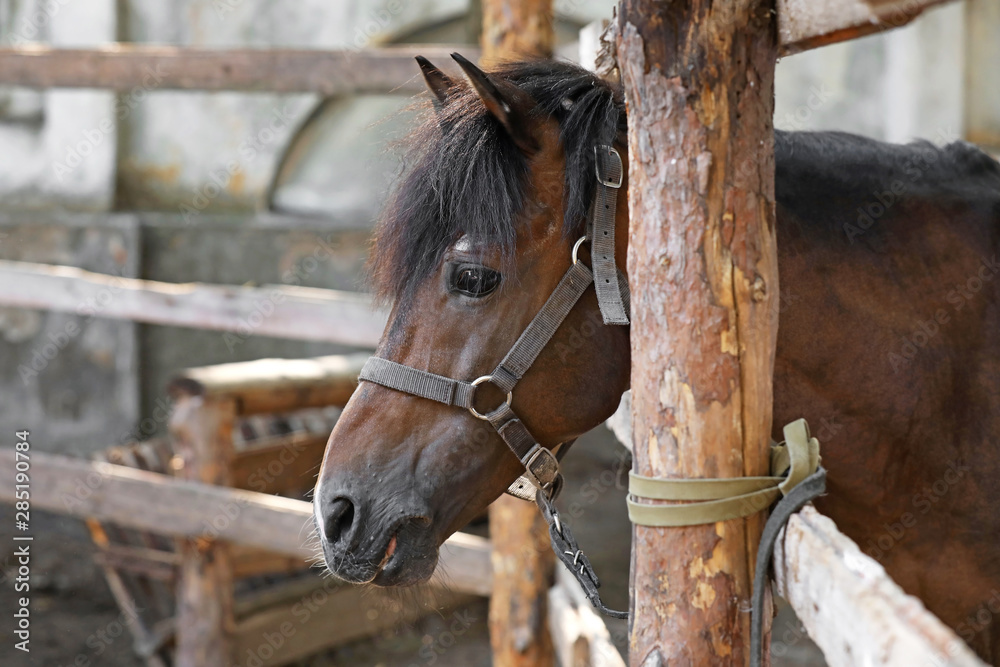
[169, 506]
[847, 602]
[126, 66]
[276, 385]
[803, 24]
[282, 311]
[808, 24]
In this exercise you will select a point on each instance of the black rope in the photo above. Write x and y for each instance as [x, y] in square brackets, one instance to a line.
[569, 552]
[804, 492]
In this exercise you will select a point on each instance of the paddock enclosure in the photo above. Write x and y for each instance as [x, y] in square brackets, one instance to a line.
[188, 195]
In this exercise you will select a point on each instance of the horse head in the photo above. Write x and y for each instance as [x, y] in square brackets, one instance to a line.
[481, 229]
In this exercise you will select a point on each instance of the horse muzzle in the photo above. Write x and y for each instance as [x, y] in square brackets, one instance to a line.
[363, 543]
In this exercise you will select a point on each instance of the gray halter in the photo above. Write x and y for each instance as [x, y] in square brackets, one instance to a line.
[541, 481]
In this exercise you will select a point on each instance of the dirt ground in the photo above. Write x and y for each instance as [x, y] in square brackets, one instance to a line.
[75, 621]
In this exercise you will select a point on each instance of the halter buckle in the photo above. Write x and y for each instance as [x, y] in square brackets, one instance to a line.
[541, 467]
[609, 173]
[472, 400]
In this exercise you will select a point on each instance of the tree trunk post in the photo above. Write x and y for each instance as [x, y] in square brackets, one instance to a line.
[517, 29]
[702, 261]
[523, 562]
[202, 431]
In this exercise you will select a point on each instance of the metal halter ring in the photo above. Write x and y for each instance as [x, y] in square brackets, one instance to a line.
[472, 401]
[576, 247]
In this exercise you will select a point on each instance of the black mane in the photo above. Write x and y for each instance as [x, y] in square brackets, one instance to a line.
[825, 179]
[471, 179]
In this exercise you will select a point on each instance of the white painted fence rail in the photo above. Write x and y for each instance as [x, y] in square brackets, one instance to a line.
[851, 608]
[579, 633]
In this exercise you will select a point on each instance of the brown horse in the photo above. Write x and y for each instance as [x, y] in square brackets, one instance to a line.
[889, 336]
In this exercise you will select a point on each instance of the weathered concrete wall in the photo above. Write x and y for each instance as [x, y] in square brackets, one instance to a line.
[70, 378]
[235, 250]
[59, 146]
[898, 86]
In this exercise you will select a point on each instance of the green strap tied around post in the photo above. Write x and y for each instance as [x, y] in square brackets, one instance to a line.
[721, 499]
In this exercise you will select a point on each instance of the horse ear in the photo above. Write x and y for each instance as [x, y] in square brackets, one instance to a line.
[510, 106]
[438, 82]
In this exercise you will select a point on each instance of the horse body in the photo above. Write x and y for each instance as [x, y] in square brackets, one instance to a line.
[888, 337]
[889, 344]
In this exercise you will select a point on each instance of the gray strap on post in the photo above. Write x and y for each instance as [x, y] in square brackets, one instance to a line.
[610, 283]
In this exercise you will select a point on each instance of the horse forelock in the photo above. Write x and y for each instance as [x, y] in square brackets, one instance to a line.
[464, 176]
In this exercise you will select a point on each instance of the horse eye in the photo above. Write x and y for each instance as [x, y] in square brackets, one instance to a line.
[474, 280]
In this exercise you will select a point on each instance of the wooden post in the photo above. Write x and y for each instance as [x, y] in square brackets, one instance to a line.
[202, 429]
[517, 28]
[982, 88]
[523, 562]
[523, 567]
[698, 80]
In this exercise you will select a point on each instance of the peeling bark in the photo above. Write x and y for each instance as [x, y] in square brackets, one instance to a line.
[698, 80]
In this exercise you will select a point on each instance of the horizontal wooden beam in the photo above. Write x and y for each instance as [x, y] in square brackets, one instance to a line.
[251, 562]
[851, 608]
[170, 506]
[125, 67]
[802, 25]
[334, 228]
[808, 24]
[281, 311]
[332, 615]
[248, 469]
[276, 385]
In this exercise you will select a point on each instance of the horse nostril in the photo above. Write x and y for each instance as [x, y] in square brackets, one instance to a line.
[338, 521]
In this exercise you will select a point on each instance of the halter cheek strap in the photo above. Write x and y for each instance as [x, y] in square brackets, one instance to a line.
[610, 283]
